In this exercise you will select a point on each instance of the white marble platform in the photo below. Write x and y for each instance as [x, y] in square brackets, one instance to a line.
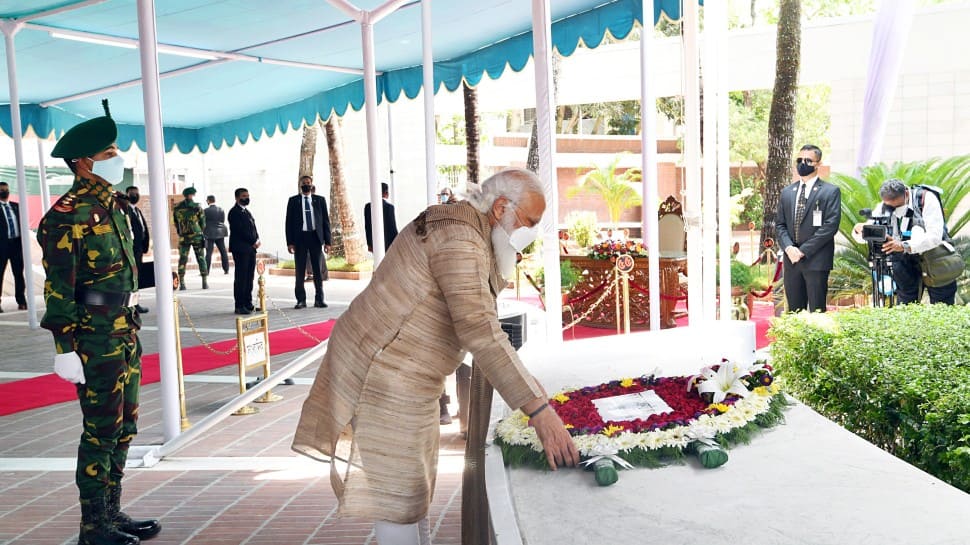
[809, 482]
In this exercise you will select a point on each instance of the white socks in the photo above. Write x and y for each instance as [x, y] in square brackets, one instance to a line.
[389, 533]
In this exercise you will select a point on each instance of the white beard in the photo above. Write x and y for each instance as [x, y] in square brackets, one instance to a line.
[505, 254]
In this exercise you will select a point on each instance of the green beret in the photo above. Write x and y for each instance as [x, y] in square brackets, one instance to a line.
[88, 138]
[188, 191]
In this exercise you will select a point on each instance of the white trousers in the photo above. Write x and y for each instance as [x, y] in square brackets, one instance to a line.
[389, 533]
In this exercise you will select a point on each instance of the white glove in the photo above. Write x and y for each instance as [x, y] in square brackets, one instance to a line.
[68, 367]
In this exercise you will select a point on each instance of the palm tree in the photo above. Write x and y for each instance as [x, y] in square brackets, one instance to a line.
[781, 119]
[470, 98]
[615, 189]
[952, 175]
[308, 152]
[346, 239]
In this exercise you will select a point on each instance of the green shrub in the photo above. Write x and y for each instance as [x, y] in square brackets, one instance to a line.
[898, 377]
[286, 264]
[569, 275]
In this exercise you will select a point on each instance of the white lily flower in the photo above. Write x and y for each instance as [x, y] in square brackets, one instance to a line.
[726, 380]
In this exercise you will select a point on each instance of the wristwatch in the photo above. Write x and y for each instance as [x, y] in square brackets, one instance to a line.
[906, 248]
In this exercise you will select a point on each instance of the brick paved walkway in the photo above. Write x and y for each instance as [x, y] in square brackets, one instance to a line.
[239, 484]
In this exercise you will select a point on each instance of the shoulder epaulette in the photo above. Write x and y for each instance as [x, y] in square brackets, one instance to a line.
[66, 203]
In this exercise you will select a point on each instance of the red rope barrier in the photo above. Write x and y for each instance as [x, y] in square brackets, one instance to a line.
[646, 292]
[588, 294]
[773, 280]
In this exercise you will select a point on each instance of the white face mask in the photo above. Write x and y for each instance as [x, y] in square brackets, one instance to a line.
[523, 236]
[110, 170]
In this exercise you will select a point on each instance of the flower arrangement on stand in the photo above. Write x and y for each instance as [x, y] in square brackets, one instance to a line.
[649, 420]
[611, 249]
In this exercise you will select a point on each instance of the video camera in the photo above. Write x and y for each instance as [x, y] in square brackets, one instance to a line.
[878, 230]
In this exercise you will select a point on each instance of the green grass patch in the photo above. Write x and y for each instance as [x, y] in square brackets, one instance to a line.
[340, 264]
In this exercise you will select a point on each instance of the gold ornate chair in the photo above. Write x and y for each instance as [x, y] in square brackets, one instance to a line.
[673, 251]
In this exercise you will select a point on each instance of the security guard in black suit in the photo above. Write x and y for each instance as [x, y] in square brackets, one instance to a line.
[11, 249]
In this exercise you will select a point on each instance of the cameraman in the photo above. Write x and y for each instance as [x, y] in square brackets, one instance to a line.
[908, 237]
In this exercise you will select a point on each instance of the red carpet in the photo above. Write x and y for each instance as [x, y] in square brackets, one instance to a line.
[22, 395]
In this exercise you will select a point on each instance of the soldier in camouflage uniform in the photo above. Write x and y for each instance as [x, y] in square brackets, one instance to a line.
[189, 225]
[90, 292]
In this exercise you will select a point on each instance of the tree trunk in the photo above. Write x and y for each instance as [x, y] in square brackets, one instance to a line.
[532, 162]
[472, 140]
[346, 238]
[781, 119]
[308, 152]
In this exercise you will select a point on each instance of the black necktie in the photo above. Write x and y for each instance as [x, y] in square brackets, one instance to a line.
[308, 213]
[799, 210]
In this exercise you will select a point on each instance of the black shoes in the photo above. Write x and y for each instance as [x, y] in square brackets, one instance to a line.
[205, 282]
[243, 310]
[142, 529]
[300, 304]
[320, 304]
[21, 307]
[140, 309]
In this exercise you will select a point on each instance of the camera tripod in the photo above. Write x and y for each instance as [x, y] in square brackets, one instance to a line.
[881, 272]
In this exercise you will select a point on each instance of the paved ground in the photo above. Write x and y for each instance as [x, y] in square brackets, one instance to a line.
[240, 484]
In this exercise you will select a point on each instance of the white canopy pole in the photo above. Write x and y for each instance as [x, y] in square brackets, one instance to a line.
[45, 190]
[719, 20]
[430, 136]
[10, 29]
[546, 132]
[709, 191]
[155, 145]
[370, 102]
[648, 158]
[692, 173]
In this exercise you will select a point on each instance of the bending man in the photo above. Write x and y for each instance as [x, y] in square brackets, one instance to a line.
[375, 398]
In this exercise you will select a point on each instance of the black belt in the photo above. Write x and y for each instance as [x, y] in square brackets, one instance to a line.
[106, 299]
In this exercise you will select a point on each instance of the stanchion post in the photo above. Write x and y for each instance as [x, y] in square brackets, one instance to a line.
[626, 302]
[260, 269]
[184, 423]
[624, 265]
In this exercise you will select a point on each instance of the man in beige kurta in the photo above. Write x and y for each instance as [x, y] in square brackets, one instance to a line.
[375, 398]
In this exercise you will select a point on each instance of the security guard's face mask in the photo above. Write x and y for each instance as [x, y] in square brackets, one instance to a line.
[110, 170]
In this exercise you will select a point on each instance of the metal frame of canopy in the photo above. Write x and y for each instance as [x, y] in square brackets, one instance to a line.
[542, 43]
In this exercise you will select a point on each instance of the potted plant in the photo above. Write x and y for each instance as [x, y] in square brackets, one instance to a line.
[569, 275]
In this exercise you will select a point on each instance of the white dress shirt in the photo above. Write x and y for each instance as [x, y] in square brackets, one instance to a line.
[921, 238]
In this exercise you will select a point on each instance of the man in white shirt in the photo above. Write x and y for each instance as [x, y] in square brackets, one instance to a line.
[911, 234]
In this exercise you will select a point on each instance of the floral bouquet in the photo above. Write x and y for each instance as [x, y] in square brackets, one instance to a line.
[648, 420]
[611, 249]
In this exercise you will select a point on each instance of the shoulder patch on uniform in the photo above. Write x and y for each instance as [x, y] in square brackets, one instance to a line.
[67, 203]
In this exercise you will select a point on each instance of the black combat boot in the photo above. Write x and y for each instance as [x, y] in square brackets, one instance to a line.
[205, 282]
[182, 282]
[142, 529]
[97, 528]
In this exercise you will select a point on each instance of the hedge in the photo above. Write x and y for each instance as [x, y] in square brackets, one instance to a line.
[898, 377]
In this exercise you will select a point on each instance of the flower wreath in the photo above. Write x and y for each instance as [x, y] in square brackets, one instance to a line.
[721, 406]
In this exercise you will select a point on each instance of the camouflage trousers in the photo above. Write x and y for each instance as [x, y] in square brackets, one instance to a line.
[197, 244]
[107, 341]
